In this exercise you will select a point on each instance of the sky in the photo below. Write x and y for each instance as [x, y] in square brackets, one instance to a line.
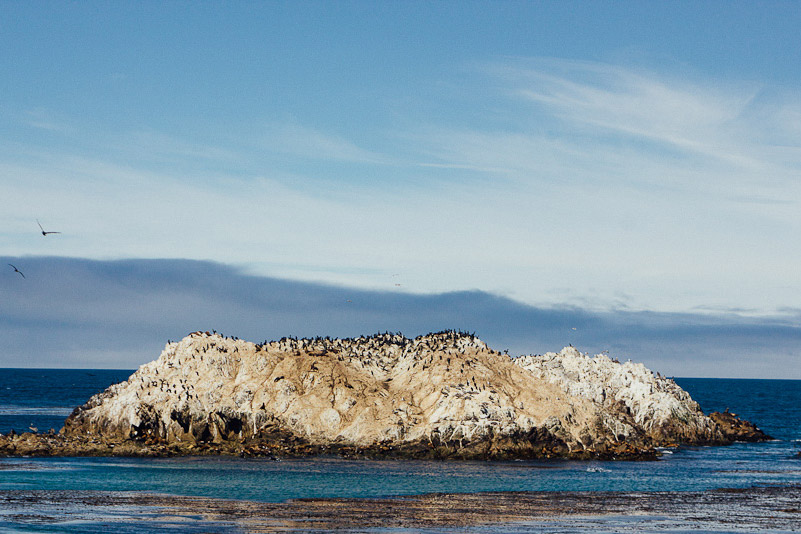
[633, 166]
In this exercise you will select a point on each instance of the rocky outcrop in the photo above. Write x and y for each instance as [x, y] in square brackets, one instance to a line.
[439, 395]
[630, 401]
[735, 429]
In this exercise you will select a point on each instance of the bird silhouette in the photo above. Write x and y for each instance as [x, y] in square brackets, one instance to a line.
[43, 230]
[17, 271]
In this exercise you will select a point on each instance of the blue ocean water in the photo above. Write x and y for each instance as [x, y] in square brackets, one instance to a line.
[43, 398]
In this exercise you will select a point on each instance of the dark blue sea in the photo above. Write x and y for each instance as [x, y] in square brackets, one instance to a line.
[42, 399]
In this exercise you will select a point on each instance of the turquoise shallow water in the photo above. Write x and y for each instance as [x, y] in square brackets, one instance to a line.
[29, 397]
[688, 469]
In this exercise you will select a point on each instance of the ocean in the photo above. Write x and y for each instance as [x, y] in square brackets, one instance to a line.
[75, 494]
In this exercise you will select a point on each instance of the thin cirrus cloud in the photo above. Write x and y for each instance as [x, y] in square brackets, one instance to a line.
[305, 142]
[42, 122]
[175, 148]
[630, 103]
[586, 115]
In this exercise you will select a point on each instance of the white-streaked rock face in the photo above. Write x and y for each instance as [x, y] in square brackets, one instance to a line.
[441, 388]
[654, 403]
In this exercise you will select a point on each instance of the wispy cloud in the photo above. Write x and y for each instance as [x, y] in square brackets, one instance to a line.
[306, 142]
[80, 138]
[44, 119]
[159, 144]
[464, 167]
[687, 116]
[573, 120]
[764, 200]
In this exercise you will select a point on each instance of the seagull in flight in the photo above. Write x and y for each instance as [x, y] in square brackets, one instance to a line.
[17, 271]
[43, 230]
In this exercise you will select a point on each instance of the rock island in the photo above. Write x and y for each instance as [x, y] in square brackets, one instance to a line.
[441, 395]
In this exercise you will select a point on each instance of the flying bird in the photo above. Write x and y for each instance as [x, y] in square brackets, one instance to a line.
[43, 230]
[17, 271]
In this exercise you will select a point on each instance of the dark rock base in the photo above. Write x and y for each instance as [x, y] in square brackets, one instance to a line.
[29, 444]
[736, 429]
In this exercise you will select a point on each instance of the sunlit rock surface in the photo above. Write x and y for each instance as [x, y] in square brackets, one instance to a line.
[630, 401]
[439, 395]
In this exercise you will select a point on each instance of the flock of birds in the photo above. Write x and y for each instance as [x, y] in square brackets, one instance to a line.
[44, 233]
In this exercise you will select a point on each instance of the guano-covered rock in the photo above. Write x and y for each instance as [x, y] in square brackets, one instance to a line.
[440, 395]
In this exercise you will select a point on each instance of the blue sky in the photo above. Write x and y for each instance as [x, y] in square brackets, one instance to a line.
[622, 159]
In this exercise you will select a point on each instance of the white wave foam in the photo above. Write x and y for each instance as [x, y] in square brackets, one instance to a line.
[595, 469]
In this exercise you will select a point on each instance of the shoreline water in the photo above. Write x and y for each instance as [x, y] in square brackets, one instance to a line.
[770, 509]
